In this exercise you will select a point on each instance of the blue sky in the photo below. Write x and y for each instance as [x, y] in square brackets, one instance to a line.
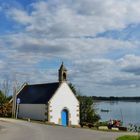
[97, 40]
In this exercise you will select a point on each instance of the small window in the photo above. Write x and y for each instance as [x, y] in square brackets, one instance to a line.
[64, 76]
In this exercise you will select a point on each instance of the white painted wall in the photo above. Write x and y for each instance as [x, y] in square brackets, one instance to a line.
[33, 111]
[61, 99]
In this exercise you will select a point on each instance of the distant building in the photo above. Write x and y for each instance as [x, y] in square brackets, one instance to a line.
[52, 102]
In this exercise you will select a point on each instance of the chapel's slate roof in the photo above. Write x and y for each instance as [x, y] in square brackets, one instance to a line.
[37, 94]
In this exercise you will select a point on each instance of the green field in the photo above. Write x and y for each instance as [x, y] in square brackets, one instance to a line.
[129, 138]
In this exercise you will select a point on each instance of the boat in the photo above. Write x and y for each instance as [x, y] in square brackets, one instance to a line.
[104, 110]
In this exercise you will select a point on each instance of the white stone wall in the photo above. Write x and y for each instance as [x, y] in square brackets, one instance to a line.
[64, 98]
[33, 111]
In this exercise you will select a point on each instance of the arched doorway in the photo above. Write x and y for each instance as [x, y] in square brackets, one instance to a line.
[64, 117]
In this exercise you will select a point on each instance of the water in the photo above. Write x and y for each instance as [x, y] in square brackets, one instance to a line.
[128, 112]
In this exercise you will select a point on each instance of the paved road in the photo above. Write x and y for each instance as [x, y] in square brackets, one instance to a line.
[21, 130]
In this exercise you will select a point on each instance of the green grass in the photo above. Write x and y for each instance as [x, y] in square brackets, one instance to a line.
[128, 138]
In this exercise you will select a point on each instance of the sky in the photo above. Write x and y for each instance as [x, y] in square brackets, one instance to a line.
[98, 41]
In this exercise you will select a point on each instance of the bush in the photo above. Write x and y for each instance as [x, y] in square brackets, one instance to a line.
[5, 110]
[90, 125]
[103, 123]
[5, 106]
[87, 110]
[122, 128]
[128, 138]
[96, 117]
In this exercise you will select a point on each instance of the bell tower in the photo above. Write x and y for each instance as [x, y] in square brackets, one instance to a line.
[62, 73]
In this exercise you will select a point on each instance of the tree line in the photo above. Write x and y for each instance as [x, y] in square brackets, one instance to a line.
[113, 98]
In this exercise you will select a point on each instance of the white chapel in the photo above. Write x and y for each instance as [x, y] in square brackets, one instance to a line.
[52, 102]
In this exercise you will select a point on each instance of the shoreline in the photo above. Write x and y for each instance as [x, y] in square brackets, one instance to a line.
[113, 98]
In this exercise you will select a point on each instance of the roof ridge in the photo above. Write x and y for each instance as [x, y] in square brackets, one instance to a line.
[43, 84]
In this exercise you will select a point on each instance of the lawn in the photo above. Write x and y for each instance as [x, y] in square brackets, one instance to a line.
[128, 138]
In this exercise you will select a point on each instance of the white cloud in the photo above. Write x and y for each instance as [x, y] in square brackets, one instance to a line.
[67, 30]
[107, 77]
[79, 18]
[129, 60]
[70, 48]
[130, 64]
[20, 15]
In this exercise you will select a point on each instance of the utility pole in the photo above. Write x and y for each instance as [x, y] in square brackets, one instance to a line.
[15, 86]
[14, 102]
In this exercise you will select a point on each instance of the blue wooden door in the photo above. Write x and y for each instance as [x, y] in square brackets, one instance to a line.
[64, 117]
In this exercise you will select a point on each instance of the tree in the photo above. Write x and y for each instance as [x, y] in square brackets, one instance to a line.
[87, 109]
[73, 89]
[6, 87]
[5, 106]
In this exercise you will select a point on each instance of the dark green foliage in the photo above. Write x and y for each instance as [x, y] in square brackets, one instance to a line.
[5, 106]
[73, 88]
[96, 117]
[105, 123]
[114, 98]
[9, 98]
[3, 98]
[87, 109]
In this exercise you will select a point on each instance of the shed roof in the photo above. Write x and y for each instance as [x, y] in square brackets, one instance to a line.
[37, 94]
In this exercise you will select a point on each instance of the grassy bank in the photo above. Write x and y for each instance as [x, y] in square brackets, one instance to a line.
[128, 138]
